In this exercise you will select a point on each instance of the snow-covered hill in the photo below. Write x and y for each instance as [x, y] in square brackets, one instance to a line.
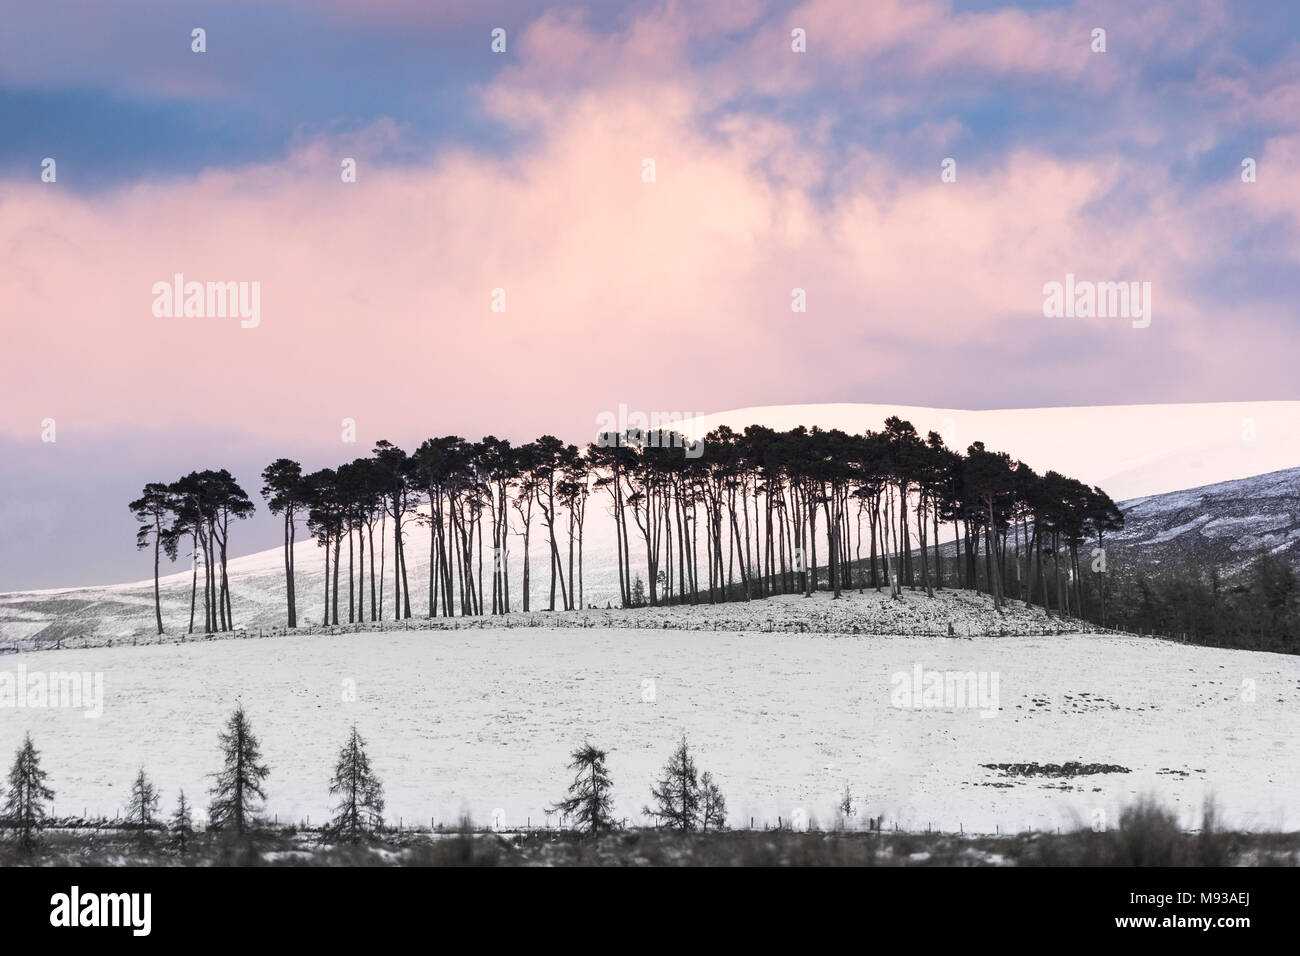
[1143, 450]
[1224, 525]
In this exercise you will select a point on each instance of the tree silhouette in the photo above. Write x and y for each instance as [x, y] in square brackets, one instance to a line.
[181, 826]
[151, 509]
[142, 808]
[590, 801]
[746, 515]
[27, 796]
[360, 809]
[285, 493]
[989, 478]
[206, 502]
[1103, 516]
[325, 522]
[713, 806]
[677, 796]
[237, 792]
[397, 481]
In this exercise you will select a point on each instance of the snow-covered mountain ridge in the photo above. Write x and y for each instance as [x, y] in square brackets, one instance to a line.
[1224, 525]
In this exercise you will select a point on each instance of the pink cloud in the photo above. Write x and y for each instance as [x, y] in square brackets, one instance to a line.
[666, 295]
[376, 296]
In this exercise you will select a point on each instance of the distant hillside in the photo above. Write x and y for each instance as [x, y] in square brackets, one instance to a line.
[1225, 525]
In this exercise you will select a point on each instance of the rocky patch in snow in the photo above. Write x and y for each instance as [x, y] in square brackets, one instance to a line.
[1070, 768]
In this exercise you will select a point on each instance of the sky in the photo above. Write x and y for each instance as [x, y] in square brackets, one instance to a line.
[624, 206]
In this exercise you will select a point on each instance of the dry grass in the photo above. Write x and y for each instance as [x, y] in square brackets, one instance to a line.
[1147, 835]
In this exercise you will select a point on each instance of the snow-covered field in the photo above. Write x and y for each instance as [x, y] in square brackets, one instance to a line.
[476, 720]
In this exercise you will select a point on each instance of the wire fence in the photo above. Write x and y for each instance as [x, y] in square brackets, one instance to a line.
[404, 828]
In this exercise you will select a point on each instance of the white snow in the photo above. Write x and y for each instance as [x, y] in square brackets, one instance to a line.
[476, 719]
[1172, 533]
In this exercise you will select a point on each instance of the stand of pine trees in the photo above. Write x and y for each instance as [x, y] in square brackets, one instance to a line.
[197, 508]
[740, 516]
[1256, 609]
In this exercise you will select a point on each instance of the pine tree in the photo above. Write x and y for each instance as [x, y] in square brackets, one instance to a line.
[846, 808]
[677, 795]
[25, 803]
[143, 808]
[361, 794]
[150, 509]
[182, 826]
[713, 806]
[238, 786]
[590, 802]
[285, 494]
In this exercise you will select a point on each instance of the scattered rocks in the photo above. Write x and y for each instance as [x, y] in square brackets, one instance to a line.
[1068, 769]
